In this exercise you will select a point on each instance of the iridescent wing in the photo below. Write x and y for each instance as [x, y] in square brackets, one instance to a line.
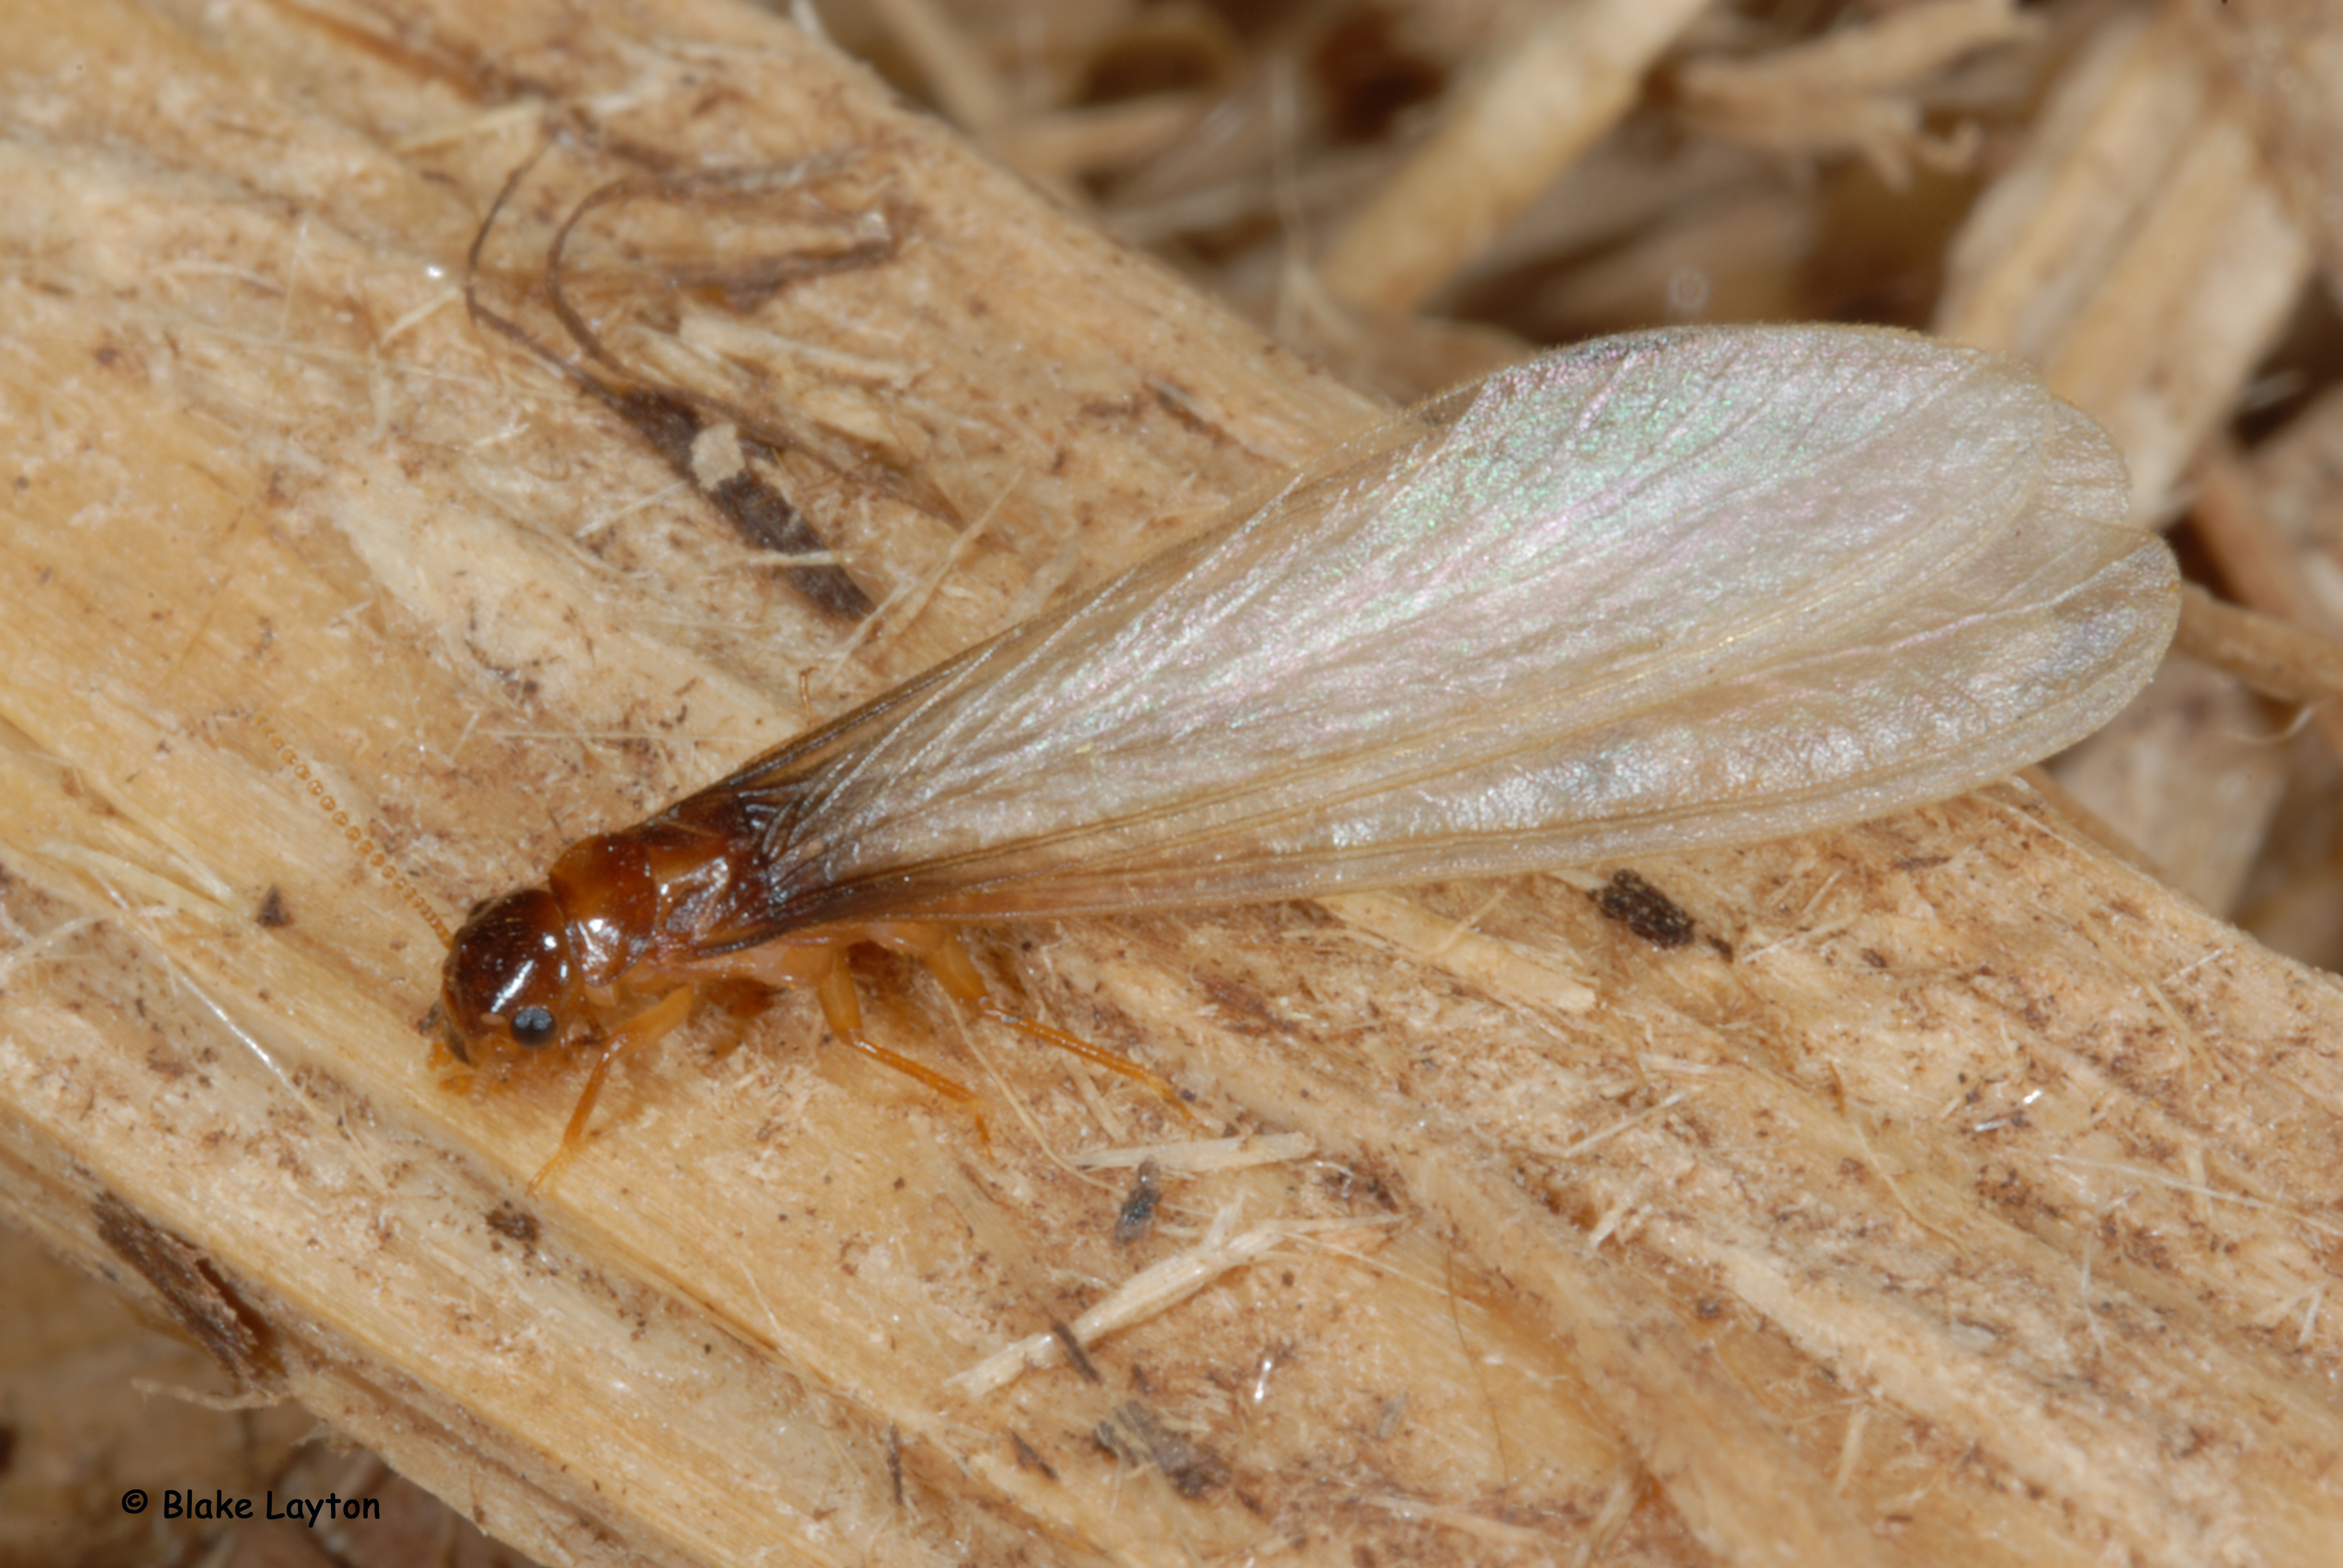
[1660, 592]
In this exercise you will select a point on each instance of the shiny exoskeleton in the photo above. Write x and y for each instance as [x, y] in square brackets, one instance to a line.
[629, 928]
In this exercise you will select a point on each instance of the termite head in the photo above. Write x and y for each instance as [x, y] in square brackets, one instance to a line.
[511, 978]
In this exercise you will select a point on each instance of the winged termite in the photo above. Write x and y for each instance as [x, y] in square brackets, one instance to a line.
[1659, 591]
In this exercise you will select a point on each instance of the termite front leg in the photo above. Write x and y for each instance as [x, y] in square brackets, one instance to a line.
[652, 1023]
[940, 948]
[833, 985]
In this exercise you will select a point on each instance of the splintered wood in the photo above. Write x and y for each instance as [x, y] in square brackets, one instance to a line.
[1951, 1189]
[1148, 1293]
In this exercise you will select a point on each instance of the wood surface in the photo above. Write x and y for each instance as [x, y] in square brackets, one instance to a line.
[1959, 1194]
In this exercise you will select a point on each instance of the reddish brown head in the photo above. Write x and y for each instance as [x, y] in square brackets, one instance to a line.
[511, 978]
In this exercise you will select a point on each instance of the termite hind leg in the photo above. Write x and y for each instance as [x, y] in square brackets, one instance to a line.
[650, 1024]
[949, 963]
[843, 1011]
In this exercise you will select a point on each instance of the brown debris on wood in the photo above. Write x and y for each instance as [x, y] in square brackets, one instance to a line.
[1959, 1192]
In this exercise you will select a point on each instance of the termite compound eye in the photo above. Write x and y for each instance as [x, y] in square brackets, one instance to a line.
[533, 1026]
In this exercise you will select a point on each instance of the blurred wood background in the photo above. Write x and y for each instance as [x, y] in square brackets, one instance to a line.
[1965, 1192]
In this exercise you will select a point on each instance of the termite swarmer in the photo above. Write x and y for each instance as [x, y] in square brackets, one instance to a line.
[1669, 590]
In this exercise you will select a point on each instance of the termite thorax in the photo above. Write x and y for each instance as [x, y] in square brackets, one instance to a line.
[610, 902]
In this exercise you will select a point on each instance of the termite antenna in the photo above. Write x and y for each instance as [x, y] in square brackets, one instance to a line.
[360, 840]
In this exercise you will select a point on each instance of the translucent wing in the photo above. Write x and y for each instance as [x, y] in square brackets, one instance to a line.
[1665, 590]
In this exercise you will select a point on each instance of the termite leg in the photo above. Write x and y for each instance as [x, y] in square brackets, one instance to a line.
[642, 1029]
[843, 1012]
[956, 972]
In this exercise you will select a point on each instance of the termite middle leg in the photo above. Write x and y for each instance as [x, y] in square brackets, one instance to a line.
[940, 948]
[833, 987]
